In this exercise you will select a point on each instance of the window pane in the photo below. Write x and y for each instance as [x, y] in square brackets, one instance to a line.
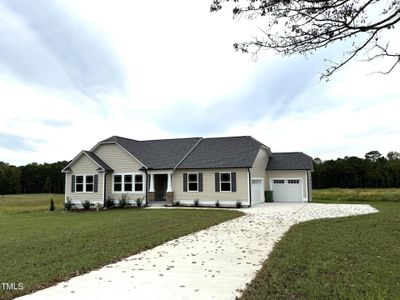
[192, 177]
[193, 186]
[139, 187]
[225, 176]
[79, 179]
[128, 187]
[117, 178]
[89, 179]
[117, 187]
[225, 186]
[128, 178]
[79, 187]
[89, 187]
[138, 178]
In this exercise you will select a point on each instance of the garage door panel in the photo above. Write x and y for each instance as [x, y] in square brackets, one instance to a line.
[287, 190]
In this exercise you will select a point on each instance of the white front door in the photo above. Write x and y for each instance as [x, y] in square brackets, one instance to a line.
[257, 190]
[287, 190]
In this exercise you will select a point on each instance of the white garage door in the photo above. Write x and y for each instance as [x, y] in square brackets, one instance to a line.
[257, 190]
[287, 190]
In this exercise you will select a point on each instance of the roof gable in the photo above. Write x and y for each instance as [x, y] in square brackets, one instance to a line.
[93, 157]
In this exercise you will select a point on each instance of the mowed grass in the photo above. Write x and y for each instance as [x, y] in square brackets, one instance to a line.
[39, 249]
[365, 195]
[345, 258]
[25, 203]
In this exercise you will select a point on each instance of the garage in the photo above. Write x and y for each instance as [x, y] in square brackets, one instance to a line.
[257, 190]
[287, 190]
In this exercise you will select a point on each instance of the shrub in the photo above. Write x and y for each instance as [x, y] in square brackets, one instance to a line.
[196, 202]
[109, 203]
[52, 206]
[238, 204]
[217, 203]
[68, 205]
[139, 202]
[176, 203]
[123, 201]
[86, 204]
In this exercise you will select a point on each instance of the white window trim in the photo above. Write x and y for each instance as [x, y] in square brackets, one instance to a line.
[230, 182]
[84, 183]
[123, 183]
[187, 183]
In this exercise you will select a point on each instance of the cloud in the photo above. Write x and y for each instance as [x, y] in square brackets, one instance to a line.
[56, 123]
[17, 142]
[45, 44]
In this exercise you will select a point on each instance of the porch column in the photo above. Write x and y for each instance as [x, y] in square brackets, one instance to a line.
[169, 184]
[151, 189]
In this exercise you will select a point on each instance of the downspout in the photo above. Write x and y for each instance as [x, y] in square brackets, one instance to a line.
[249, 180]
[147, 187]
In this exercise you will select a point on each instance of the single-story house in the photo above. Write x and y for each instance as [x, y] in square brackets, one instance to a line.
[205, 170]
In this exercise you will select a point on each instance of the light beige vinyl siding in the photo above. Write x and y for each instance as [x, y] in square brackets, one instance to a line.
[287, 174]
[209, 196]
[121, 162]
[259, 165]
[84, 166]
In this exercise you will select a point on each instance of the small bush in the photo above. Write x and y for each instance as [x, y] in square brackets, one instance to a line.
[217, 203]
[139, 202]
[176, 203]
[123, 201]
[52, 206]
[68, 205]
[109, 203]
[86, 204]
[196, 202]
[238, 204]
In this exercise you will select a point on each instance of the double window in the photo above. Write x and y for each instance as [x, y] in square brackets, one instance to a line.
[225, 182]
[127, 183]
[84, 183]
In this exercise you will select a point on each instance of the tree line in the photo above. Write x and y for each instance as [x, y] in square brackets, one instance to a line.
[32, 178]
[372, 171]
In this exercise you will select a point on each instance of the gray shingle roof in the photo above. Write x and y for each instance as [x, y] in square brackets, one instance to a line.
[224, 152]
[290, 161]
[157, 154]
[98, 161]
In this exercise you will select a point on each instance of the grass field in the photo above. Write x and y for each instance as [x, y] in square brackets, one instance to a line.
[25, 203]
[365, 195]
[345, 258]
[40, 248]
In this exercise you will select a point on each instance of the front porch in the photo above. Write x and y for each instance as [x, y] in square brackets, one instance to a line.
[160, 188]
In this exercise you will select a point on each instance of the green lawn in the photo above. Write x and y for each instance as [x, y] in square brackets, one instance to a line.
[39, 249]
[345, 258]
[366, 195]
[25, 203]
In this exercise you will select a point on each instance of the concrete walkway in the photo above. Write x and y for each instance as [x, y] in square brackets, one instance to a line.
[215, 263]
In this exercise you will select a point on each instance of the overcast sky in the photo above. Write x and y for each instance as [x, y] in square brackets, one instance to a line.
[75, 72]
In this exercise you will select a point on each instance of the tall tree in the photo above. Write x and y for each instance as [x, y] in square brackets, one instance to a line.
[303, 27]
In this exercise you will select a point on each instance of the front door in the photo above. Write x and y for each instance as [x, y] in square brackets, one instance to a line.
[160, 187]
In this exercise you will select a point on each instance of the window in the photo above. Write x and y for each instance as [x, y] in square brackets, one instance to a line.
[225, 182]
[128, 183]
[79, 184]
[138, 183]
[84, 183]
[279, 181]
[293, 181]
[89, 183]
[192, 183]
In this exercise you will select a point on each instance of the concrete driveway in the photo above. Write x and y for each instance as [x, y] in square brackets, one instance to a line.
[215, 263]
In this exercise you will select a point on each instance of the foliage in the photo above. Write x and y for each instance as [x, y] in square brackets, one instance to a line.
[196, 202]
[52, 206]
[238, 204]
[374, 171]
[86, 204]
[217, 203]
[344, 258]
[109, 203]
[123, 201]
[139, 202]
[55, 247]
[68, 205]
[176, 203]
[9, 179]
[303, 27]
